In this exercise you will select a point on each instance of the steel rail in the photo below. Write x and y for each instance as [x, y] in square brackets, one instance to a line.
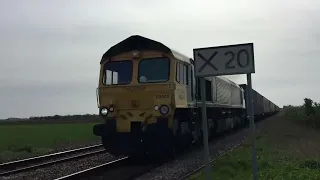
[35, 162]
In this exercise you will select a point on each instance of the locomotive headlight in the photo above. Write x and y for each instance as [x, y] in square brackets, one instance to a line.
[164, 109]
[104, 111]
[135, 54]
[111, 109]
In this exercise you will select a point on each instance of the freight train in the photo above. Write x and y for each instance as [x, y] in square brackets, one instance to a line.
[150, 102]
[262, 107]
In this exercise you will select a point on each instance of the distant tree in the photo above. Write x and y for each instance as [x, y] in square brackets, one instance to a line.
[287, 106]
[67, 117]
[56, 117]
[308, 105]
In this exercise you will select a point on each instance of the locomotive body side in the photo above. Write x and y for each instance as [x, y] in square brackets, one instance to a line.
[225, 104]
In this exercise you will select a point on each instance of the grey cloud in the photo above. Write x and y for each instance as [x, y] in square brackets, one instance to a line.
[50, 50]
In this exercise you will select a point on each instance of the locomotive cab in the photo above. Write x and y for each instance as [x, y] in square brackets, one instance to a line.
[136, 91]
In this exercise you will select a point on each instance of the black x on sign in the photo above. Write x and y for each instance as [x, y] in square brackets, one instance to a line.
[207, 61]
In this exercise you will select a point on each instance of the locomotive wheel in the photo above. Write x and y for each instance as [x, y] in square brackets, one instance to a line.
[115, 153]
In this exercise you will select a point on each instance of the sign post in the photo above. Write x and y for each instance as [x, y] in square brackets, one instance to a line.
[225, 60]
[252, 126]
[204, 126]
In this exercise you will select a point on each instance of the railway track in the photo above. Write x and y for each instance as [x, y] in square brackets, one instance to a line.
[126, 168]
[22, 165]
[99, 170]
[120, 169]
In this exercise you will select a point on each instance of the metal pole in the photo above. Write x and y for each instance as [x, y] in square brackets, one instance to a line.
[252, 126]
[205, 128]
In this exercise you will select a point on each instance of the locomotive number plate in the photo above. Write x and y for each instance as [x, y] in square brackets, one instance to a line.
[162, 96]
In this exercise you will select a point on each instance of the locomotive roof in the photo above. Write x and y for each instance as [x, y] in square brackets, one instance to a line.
[140, 43]
[228, 80]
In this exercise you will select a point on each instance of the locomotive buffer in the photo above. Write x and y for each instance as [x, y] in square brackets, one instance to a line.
[225, 60]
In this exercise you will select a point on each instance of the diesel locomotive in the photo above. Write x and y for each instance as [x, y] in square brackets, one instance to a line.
[150, 103]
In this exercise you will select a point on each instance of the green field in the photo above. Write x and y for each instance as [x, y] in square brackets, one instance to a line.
[25, 140]
[286, 150]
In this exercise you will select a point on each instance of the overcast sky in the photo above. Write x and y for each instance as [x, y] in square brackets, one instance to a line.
[50, 50]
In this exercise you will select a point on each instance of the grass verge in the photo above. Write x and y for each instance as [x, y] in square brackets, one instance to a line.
[21, 141]
[285, 151]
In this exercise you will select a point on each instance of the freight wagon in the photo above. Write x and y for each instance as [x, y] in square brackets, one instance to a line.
[262, 106]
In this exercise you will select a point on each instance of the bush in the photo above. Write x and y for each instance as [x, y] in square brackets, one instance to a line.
[308, 105]
[308, 113]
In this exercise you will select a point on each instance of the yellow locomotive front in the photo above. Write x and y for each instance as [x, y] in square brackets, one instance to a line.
[136, 98]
